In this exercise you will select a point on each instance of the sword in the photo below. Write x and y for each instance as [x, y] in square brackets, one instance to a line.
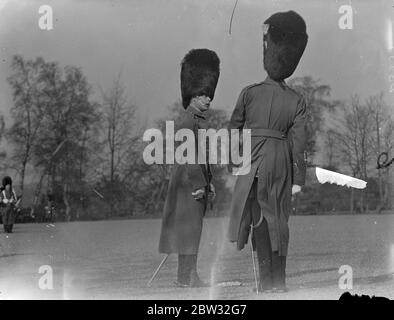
[324, 175]
[158, 269]
[251, 246]
[253, 259]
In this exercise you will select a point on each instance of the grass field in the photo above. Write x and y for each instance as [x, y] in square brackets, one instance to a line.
[115, 259]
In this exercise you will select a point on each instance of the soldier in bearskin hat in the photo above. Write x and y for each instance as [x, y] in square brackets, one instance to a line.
[8, 199]
[275, 114]
[190, 187]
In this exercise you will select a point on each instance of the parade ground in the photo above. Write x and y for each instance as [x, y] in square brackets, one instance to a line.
[115, 259]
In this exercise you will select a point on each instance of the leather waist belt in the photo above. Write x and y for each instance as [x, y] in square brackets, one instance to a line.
[268, 133]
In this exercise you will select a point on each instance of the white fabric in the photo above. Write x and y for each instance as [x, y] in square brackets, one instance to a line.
[13, 197]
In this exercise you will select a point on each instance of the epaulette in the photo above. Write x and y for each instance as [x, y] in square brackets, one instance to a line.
[253, 85]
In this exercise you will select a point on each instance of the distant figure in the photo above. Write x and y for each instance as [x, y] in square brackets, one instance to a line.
[49, 208]
[8, 200]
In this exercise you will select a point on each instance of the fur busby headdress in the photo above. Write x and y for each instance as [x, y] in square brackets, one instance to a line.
[285, 39]
[7, 180]
[200, 70]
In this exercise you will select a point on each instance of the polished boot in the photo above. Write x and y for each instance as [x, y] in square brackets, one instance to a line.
[279, 272]
[263, 247]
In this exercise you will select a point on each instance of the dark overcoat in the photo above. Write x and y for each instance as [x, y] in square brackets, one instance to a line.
[277, 158]
[183, 215]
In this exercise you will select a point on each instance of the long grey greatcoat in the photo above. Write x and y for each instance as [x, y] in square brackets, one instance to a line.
[277, 158]
[183, 215]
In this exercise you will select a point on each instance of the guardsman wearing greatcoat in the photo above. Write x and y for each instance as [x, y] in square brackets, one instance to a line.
[275, 114]
[190, 189]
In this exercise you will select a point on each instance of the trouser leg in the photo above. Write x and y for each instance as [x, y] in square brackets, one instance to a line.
[195, 280]
[192, 265]
[279, 270]
[262, 242]
[264, 256]
[5, 220]
[187, 271]
[183, 269]
[11, 220]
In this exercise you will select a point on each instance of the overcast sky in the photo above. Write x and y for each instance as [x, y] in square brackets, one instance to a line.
[146, 40]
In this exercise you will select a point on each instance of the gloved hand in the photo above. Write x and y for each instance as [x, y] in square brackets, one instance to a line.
[295, 189]
[198, 194]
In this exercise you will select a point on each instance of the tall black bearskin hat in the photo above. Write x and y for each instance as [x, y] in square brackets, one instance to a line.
[7, 180]
[200, 70]
[284, 43]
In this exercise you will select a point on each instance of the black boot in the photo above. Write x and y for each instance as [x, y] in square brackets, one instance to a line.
[183, 279]
[263, 248]
[265, 284]
[10, 228]
[279, 272]
[195, 281]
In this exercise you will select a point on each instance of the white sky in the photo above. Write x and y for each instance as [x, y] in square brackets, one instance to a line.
[147, 39]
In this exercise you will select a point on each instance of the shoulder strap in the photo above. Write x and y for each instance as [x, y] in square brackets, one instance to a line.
[253, 85]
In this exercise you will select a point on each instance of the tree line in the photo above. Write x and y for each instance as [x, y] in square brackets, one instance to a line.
[85, 156]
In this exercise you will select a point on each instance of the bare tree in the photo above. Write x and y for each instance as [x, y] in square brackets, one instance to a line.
[388, 145]
[27, 111]
[376, 106]
[69, 116]
[383, 141]
[118, 116]
[316, 98]
[353, 136]
[330, 148]
[2, 129]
